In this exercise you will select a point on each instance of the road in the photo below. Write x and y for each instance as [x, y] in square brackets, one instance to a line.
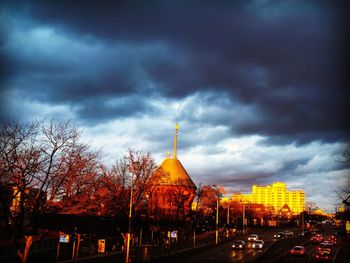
[225, 253]
[275, 251]
[340, 251]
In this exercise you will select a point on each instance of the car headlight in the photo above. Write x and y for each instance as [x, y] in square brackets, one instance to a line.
[240, 245]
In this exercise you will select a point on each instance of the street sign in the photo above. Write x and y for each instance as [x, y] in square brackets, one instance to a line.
[101, 245]
[173, 234]
[64, 238]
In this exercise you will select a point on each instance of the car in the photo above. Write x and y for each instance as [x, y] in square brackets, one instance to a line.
[304, 234]
[328, 243]
[297, 250]
[288, 233]
[333, 239]
[253, 237]
[259, 244]
[325, 246]
[279, 235]
[238, 244]
[318, 238]
[324, 256]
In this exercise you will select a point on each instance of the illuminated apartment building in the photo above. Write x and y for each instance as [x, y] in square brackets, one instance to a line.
[275, 195]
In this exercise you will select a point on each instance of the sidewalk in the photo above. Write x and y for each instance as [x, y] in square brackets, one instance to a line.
[158, 254]
[343, 255]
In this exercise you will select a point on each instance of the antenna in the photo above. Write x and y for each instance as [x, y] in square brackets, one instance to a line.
[175, 140]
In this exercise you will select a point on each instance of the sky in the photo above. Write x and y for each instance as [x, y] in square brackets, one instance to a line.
[259, 88]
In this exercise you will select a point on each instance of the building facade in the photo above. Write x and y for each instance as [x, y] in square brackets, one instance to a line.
[274, 196]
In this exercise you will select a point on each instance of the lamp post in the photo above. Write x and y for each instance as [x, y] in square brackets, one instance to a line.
[244, 222]
[130, 212]
[217, 222]
[228, 215]
[303, 222]
[143, 215]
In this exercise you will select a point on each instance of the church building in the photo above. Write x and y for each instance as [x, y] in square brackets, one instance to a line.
[173, 189]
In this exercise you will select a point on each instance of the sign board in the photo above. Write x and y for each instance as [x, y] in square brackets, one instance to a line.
[272, 223]
[101, 244]
[173, 234]
[347, 227]
[64, 238]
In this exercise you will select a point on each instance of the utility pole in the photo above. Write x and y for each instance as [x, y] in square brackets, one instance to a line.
[129, 228]
[302, 221]
[243, 218]
[217, 222]
[130, 213]
[228, 215]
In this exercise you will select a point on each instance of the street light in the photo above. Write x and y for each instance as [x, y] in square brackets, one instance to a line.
[217, 221]
[130, 212]
[245, 220]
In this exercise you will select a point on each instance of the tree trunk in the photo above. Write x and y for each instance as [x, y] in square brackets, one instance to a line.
[24, 255]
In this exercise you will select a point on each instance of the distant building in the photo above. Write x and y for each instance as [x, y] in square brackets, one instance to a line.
[173, 189]
[276, 195]
[11, 197]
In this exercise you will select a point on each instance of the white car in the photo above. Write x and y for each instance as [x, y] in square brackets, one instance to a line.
[288, 233]
[238, 244]
[258, 244]
[253, 237]
[279, 235]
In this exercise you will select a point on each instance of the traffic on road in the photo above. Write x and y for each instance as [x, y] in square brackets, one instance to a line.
[277, 245]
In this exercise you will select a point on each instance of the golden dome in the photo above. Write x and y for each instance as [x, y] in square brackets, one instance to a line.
[172, 173]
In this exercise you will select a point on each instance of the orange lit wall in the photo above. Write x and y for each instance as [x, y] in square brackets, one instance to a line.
[173, 191]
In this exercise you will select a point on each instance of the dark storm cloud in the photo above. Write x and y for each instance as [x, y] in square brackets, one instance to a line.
[244, 181]
[248, 178]
[285, 63]
[127, 106]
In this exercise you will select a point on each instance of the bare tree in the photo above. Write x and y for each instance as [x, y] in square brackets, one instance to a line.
[33, 159]
[311, 207]
[178, 197]
[79, 184]
[209, 196]
[133, 170]
[345, 157]
[344, 191]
